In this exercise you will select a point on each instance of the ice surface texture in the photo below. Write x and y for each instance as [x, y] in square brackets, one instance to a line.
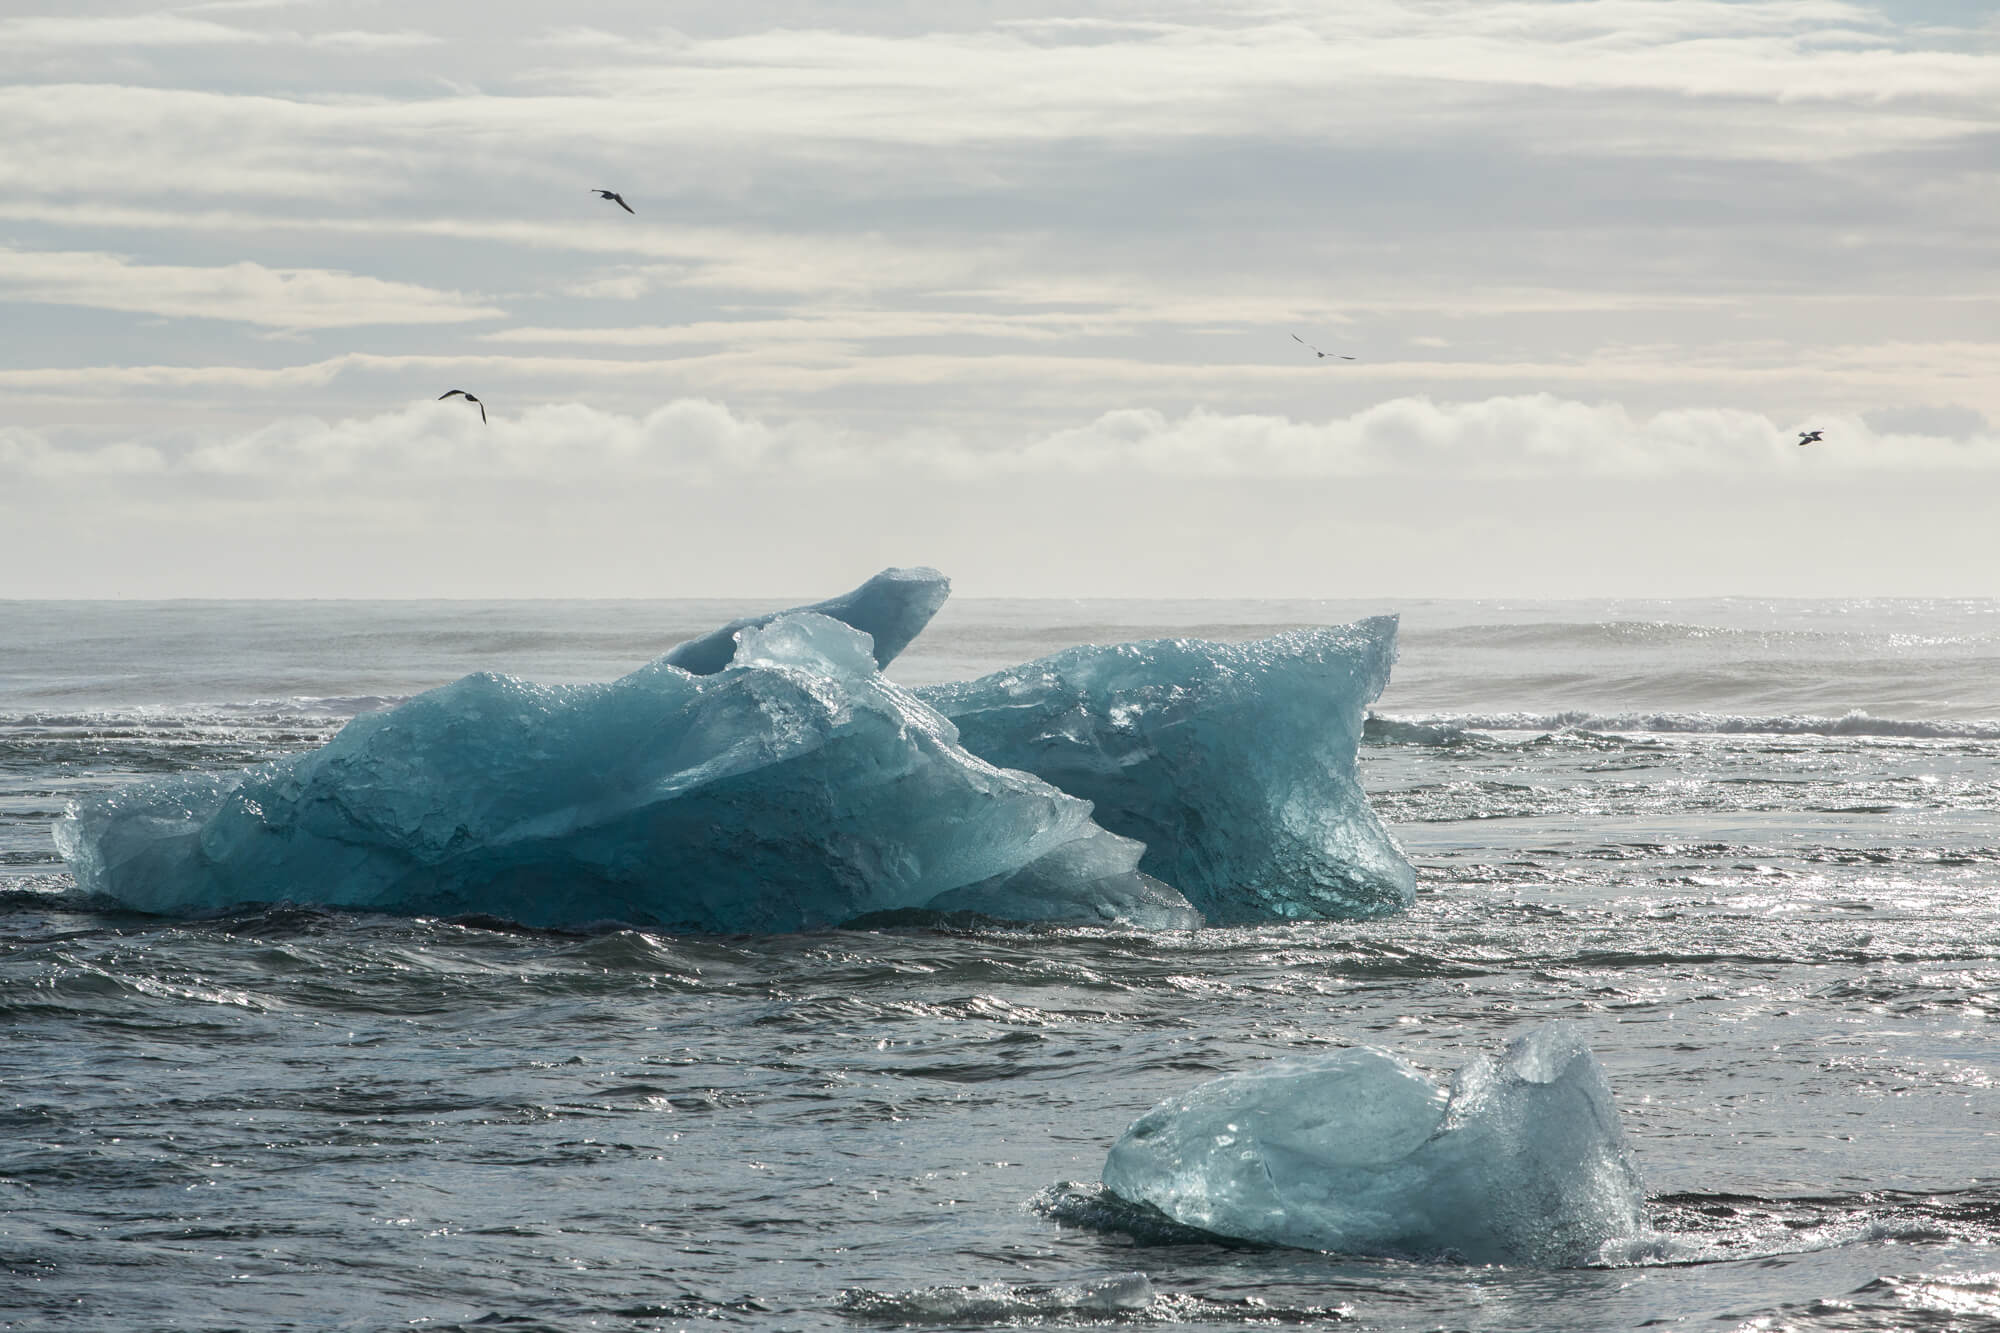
[1521, 1162]
[891, 609]
[1232, 762]
[794, 787]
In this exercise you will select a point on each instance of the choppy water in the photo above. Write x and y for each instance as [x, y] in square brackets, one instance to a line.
[1752, 847]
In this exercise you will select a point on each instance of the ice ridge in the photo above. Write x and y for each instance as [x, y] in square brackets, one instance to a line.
[891, 609]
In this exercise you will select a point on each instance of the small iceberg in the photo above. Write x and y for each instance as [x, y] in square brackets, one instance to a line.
[1521, 1161]
[795, 787]
[1234, 763]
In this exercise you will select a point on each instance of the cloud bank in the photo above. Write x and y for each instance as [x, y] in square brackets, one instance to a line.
[1516, 437]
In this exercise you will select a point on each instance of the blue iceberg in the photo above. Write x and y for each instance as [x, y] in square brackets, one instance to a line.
[792, 787]
[891, 609]
[766, 777]
[1521, 1161]
[1234, 763]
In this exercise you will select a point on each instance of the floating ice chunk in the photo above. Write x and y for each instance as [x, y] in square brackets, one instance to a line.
[891, 609]
[797, 787]
[1522, 1161]
[1233, 762]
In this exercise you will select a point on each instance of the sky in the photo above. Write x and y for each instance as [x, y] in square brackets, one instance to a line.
[1008, 288]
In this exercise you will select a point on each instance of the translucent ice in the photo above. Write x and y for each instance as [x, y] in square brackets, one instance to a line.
[795, 787]
[891, 609]
[1232, 762]
[1522, 1161]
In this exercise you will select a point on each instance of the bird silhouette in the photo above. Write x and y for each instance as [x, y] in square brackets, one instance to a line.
[1316, 352]
[1807, 437]
[460, 393]
[615, 198]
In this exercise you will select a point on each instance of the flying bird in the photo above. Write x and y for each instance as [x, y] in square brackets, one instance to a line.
[460, 393]
[1316, 352]
[615, 198]
[1807, 437]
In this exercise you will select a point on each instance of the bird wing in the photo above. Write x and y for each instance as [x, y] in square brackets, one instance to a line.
[449, 393]
[1300, 341]
[482, 413]
[619, 199]
[1346, 358]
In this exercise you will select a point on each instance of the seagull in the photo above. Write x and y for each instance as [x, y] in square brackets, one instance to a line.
[1315, 351]
[615, 198]
[1807, 437]
[460, 393]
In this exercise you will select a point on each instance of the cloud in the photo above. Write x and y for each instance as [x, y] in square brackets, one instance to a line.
[169, 29]
[578, 447]
[1043, 381]
[243, 292]
[163, 29]
[25, 454]
[1764, 80]
[359, 40]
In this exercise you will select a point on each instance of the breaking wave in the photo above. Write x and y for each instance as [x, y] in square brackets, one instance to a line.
[1453, 729]
[169, 717]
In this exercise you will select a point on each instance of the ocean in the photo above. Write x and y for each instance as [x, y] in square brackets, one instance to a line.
[1751, 847]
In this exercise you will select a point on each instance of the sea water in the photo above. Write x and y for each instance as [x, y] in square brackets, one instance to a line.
[1750, 848]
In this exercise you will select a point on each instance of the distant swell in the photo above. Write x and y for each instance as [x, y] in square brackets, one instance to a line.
[1450, 729]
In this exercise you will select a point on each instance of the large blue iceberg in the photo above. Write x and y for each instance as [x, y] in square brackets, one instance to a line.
[1234, 763]
[794, 787]
[1522, 1161]
[767, 777]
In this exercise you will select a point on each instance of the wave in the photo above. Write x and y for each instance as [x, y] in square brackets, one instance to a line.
[1651, 633]
[157, 717]
[1455, 729]
[1123, 1300]
[1377, 730]
[1000, 1303]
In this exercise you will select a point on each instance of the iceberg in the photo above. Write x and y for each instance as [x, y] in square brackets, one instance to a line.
[791, 787]
[1234, 763]
[891, 609]
[1521, 1161]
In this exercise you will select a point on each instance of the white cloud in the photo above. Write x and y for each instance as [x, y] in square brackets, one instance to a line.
[170, 29]
[26, 454]
[244, 292]
[838, 325]
[163, 29]
[1685, 79]
[775, 365]
[358, 40]
[571, 445]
